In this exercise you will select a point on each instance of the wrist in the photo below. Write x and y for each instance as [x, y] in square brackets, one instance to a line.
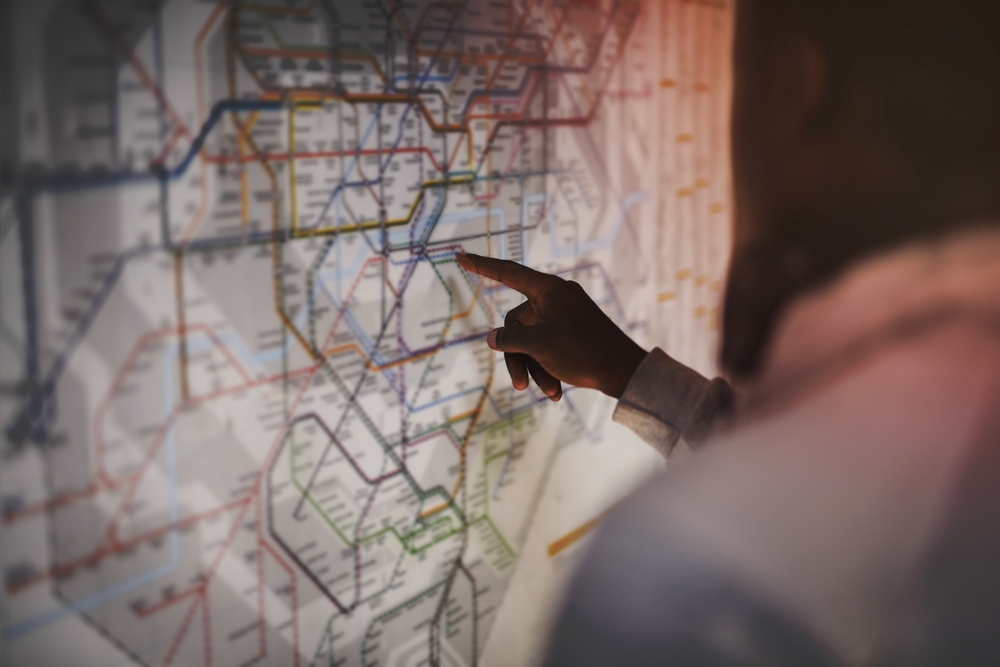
[626, 362]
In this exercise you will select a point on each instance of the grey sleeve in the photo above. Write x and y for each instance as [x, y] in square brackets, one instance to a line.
[643, 597]
[666, 401]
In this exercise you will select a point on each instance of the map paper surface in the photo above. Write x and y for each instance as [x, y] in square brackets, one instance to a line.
[249, 416]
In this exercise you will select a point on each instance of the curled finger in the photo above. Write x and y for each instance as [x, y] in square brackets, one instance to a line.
[549, 385]
[517, 366]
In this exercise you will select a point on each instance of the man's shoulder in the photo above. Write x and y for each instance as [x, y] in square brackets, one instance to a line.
[644, 598]
[823, 503]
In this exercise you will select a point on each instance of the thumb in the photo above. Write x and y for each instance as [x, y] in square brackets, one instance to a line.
[515, 339]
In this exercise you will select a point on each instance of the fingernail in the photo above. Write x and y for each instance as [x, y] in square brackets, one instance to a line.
[491, 339]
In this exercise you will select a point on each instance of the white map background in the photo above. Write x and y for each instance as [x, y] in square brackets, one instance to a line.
[248, 414]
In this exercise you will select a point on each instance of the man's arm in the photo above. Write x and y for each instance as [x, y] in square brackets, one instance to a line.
[560, 335]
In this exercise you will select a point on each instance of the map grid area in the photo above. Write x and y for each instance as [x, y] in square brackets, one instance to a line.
[248, 413]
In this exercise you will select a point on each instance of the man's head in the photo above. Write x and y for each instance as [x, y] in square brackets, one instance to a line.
[857, 125]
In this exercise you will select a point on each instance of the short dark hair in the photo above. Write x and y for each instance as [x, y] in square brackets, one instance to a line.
[936, 66]
[936, 62]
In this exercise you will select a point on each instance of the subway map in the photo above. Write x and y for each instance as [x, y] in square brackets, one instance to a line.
[248, 414]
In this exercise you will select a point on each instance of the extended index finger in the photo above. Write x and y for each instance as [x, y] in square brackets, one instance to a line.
[515, 276]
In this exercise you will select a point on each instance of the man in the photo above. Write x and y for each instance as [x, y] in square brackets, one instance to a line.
[846, 507]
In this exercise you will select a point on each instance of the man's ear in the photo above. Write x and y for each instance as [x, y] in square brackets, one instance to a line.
[801, 86]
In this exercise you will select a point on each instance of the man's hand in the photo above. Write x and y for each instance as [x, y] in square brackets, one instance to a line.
[558, 334]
